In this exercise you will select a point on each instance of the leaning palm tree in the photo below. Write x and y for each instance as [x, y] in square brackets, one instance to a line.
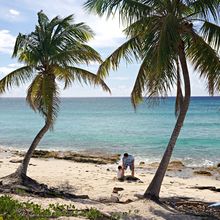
[51, 53]
[163, 35]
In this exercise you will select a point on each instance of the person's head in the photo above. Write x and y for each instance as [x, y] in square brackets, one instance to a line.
[125, 154]
[119, 167]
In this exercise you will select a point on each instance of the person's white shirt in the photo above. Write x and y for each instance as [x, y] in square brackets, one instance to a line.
[119, 174]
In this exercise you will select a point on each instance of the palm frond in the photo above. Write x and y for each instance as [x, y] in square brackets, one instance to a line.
[76, 54]
[151, 81]
[49, 101]
[73, 32]
[43, 95]
[168, 41]
[144, 27]
[19, 44]
[83, 76]
[126, 51]
[129, 10]
[59, 24]
[139, 88]
[82, 32]
[206, 60]
[42, 20]
[206, 9]
[16, 77]
[211, 33]
[160, 83]
[26, 49]
[34, 92]
[64, 75]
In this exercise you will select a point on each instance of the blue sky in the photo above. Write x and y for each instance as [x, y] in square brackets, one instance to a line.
[21, 16]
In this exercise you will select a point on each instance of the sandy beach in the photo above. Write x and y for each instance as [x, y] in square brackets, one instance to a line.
[97, 181]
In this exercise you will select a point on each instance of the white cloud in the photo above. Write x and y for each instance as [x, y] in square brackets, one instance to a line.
[14, 12]
[6, 41]
[6, 69]
[198, 84]
[108, 33]
[15, 65]
[11, 15]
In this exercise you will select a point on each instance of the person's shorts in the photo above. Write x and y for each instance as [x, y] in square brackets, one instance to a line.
[131, 166]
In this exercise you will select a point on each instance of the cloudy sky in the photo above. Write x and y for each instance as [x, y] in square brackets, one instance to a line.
[21, 16]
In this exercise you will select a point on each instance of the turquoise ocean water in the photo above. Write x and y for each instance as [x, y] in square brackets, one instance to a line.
[110, 124]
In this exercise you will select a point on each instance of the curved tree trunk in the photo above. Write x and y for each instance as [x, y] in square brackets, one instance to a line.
[22, 169]
[153, 189]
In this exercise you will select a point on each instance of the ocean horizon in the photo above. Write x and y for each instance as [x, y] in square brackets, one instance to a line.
[110, 124]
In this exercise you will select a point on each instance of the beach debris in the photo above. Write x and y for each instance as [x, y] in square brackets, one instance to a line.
[126, 201]
[142, 163]
[216, 204]
[31, 164]
[129, 179]
[192, 207]
[218, 165]
[83, 157]
[111, 199]
[15, 160]
[197, 208]
[42, 190]
[212, 188]
[26, 185]
[114, 198]
[132, 179]
[117, 189]
[203, 172]
[139, 195]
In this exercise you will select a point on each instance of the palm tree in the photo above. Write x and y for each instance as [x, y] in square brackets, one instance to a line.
[163, 35]
[50, 54]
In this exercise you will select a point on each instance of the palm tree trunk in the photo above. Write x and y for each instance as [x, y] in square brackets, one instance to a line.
[153, 189]
[22, 169]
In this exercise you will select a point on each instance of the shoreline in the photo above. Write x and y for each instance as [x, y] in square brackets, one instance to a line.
[188, 161]
[176, 168]
[98, 181]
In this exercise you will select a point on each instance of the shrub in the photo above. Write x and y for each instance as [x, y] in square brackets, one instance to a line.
[13, 209]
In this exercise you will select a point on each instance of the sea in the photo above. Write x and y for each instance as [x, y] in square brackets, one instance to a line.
[111, 125]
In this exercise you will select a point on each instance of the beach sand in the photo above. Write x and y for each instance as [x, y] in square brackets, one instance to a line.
[98, 181]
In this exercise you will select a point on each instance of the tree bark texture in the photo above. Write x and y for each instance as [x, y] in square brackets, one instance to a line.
[153, 189]
[22, 169]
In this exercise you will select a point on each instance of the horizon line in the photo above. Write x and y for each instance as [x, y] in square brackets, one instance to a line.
[111, 96]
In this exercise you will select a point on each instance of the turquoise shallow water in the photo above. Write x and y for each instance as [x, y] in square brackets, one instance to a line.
[110, 124]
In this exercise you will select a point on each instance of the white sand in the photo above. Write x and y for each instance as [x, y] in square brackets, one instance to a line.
[98, 182]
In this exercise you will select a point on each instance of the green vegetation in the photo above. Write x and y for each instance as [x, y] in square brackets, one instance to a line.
[13, 209]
